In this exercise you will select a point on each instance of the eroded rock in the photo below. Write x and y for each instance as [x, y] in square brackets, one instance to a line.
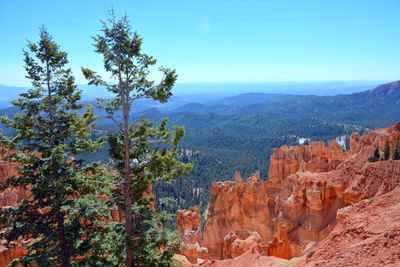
[298, 205]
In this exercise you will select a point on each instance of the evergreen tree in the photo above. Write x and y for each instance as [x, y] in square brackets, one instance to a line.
[386, 151]
[153, 158]
[60, 217]
[396, 152]
[129, 68]
[375, 155]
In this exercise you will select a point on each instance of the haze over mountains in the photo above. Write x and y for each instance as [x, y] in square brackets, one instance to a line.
[377, 107]
[211, 93]
[280, 100]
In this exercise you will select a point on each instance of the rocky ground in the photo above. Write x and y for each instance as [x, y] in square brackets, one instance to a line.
[366, 234]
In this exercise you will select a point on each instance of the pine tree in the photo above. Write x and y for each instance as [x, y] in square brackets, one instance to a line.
[386, 151]
[375, 155]
[153, 158]
[396, 152]
[139, 165]
[60, 216]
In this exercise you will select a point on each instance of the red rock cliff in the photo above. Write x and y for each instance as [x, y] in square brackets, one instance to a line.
[10, 196]
[298, 204]
[189, 230]
[366, 234]
[315, 157]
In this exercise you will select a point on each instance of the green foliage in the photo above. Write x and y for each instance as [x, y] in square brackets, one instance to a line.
[128, 66]
[375, 155]
[396, 152]
[386, 151]
[372, 108]
[219, 145]
[140, 164]
[61, 214]
[153, 158]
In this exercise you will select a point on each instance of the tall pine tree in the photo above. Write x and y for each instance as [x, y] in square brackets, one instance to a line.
[386, 151]
[375, 155]
[396, 151]
[140, 163]
[61, 216]
[153, 158]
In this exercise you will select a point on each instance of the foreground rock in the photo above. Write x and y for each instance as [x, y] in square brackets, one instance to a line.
[366, 234]
[249, 259]
[240, 241]
[298, 205]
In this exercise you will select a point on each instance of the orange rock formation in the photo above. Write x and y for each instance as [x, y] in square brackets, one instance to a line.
[240, 241]
[366, 234]
[189, 232]
[189, 224]
[10, 196]
[315, 157]
[298, 204]
[7, 255]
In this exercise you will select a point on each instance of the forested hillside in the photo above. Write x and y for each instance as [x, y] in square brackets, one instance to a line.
[237, 143]
[218, 145]
[377, 107]
[229, 135]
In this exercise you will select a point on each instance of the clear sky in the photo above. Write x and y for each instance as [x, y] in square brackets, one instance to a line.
[221, 41]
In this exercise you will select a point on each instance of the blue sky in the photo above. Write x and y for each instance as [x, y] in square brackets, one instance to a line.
[221, 41]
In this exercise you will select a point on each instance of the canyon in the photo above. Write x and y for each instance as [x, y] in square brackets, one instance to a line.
[294, 216]
[321, 206]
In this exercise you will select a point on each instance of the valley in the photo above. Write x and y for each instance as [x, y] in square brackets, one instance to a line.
[199, 133]
[239, 133]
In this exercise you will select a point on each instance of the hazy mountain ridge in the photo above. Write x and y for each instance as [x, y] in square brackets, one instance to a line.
[245, 99]
[214, 93]
[377, 107]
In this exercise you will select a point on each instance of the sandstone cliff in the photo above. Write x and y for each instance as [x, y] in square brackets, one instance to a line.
[366, 234]
[10, 196]
[299, 202]
[189, 232]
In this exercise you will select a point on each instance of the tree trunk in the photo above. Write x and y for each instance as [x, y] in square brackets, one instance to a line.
[64, 252]
[128, 185]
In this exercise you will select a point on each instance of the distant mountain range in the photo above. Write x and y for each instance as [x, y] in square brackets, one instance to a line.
[212, 93]
[376, 107]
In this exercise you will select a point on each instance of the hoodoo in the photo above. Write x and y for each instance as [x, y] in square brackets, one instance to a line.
[288, 215]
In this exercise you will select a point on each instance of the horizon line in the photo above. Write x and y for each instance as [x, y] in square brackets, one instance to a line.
[250, 82]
